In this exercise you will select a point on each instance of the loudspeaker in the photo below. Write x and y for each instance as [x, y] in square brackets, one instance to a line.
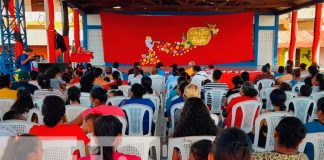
[42, 67]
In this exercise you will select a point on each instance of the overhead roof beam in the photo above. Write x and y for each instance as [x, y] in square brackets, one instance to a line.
[297, 7]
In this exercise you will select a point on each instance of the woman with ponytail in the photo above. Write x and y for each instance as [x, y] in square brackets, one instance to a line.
[231, 144]
[74, 95]
[108, 134]
[136, 97]
[147, 84]
[53, 110]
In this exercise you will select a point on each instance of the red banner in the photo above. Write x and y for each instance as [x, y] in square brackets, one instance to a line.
[207, 39]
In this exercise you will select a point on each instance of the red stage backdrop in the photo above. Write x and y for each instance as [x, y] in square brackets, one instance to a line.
[207, 39]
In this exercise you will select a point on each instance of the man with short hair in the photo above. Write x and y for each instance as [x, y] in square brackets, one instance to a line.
[5, 91]
[216, 84]
[115, 68]
[160, 71]
[26, 60]
[136, 65]
[24, 78]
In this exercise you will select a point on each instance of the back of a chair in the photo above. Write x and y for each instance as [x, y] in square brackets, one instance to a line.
[215, 97]
[85, 101]
[5, 105]
[232, 96]
[317, 140]
[184, 144]
[249, 109]
[215, 118]
[290, 95]
[170, 87]
[302, 107]
[176, 107]
[21, 127]
[297, 86]
[124, 89]
[156, 101]
[265, 95]
[59, 149]
[198, 81]
[123, 120]
[37, 112]
[115, 101]
[158, 84]
[140, 146]
[135, 80]
[272, 119]
[135, 114]
[73, 112]
[265, 83]
[317, 95]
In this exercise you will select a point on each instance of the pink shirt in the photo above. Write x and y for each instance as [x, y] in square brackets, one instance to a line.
[104, 110]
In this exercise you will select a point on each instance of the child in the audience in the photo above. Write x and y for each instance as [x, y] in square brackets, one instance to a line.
[108, 133]
[231, 144]
[88, 123]
[200, 150]
[305, 91]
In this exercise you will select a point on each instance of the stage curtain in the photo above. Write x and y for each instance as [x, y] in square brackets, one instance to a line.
[206, 39]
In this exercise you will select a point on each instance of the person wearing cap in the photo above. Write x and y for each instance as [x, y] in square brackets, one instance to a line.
[26, 60]
[266, 74]
[160, 71]
[190, 70]
[24, 78]
[5, 91]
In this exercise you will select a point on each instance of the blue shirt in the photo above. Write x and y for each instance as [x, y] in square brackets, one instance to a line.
[312, 127]
[178, 100]
[171, 79]
[143, 101]
[27, 65]
[161, 72]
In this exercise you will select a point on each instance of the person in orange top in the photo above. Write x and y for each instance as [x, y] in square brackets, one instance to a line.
[247, 92]
[97, 73]
[53, 110]
[190, 69]
[5, 91]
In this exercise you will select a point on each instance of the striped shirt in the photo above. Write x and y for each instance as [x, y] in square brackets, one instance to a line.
[214, 85]
[42, 93]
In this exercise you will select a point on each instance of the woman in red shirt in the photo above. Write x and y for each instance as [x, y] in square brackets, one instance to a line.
[53, 110]
[247, 92]
[116, 81]
[109, 129]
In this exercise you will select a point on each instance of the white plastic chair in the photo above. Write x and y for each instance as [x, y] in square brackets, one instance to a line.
[169, 87]
[123, 120]
[38, 103]
[301, 107]
[215, 118]
[216, 96]
[85, 101]
[158, 84]
[135, 80]
[184, 144]
[59, 149]
[140, 146]
[317, 95]
[249, 109]
[317, 139]
[272, 119]
[37, 112]
[265, 94]
[124, 89]
[198, 81]
[135, 117]
[115, 101]
[21, 127]
[73, 112]
[265, 83]
[290, 95]
[5, 105]
[297, 86]
[178, 107]
[156, 101]
[232, 96]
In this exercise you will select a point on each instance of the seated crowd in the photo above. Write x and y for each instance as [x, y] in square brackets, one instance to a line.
[185, 104]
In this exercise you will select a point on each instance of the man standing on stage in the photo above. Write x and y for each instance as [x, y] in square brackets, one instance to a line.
[26, 60]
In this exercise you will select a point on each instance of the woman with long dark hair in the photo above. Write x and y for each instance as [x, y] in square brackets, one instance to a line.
[24, 101]
[74, 94]
[108, 132]
[116, 81]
